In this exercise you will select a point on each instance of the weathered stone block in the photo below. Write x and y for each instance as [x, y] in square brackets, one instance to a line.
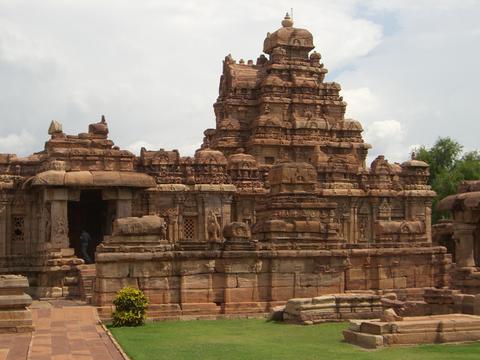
[157, 296]
[113, 270]
[247, 280]
[195, 296]
[159, 283]
[150, 269]
[276, 313]
[199, 281]
[114, 285]
[283, 293]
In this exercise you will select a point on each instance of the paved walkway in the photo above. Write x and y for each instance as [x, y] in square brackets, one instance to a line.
[63, 331]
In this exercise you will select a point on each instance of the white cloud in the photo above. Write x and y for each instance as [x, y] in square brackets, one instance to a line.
[16, 143]
[390, 130]
[385, 134]
[153, 67]
[137, 146]
[189, 150]
[361, 102]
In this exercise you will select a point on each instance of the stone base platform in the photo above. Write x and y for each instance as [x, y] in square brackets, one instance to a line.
[159, 312]
[451, 328]
[15, 317]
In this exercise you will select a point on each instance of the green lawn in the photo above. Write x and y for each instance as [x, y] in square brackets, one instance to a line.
[258, 339]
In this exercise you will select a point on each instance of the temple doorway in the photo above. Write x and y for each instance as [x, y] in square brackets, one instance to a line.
[90, 214]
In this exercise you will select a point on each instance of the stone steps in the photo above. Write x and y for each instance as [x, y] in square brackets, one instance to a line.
[86, 281]
[414, 330]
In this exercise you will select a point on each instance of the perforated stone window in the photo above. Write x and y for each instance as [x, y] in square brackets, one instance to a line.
[270, 160]
[18, 224]
[189, 228]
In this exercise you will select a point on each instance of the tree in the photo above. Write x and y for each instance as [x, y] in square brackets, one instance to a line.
[448, 168]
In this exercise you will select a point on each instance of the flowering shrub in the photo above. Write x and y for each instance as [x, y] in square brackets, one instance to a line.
[130, 307]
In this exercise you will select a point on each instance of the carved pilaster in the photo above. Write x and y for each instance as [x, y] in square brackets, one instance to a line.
[410, 207]
[59, 225]
[374, 218]
[202, 204]
[226, 209]
[353, 223]
[3, 228]
[464, 235]
[428, 220]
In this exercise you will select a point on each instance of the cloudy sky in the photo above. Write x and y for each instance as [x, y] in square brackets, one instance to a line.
[409, 69]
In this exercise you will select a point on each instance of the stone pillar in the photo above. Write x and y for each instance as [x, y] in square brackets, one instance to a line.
[464, 235]
[58, 237]
[124, 203]
[59, 221]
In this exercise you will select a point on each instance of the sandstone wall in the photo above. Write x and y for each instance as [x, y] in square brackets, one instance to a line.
[218, 282]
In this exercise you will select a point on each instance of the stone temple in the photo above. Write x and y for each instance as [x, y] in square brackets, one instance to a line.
[278, 203]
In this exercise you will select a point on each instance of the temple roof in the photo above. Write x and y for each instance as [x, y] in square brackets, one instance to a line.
[470, 200]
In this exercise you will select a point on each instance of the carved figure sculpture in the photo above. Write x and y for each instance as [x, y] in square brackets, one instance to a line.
[213, 228]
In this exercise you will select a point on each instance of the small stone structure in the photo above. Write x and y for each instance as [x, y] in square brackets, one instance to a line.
[436, 302]
[371, 305]
[432, 329]
[462, 235]
[336, 307]
[14, 313]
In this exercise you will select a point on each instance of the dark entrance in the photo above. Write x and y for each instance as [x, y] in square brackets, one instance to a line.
[89, 214]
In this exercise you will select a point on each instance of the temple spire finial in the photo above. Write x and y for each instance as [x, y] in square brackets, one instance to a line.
[287, 21]
[55, 128]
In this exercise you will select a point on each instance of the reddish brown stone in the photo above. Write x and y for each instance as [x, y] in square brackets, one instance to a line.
[277, 203]
[414, 330]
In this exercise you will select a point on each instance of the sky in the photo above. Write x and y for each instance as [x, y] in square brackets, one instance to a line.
[409, 70]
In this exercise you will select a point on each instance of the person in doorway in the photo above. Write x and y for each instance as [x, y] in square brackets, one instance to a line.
[85, 240]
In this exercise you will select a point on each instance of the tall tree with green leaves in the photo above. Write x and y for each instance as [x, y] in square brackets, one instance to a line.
[448, 167]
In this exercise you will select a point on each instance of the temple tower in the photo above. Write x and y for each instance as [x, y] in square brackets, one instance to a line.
[280, 109]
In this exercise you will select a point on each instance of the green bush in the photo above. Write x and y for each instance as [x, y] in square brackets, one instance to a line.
[130, 307]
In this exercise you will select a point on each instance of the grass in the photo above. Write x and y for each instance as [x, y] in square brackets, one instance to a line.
[258, 339]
